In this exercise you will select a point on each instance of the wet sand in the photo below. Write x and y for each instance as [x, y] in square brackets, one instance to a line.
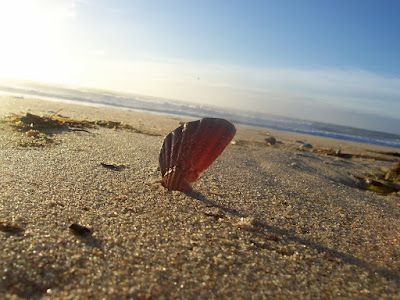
[263, 222]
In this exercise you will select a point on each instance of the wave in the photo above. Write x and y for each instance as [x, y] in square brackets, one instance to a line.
[180, 109]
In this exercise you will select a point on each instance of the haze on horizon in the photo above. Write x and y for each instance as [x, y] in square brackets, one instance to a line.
[330, 61]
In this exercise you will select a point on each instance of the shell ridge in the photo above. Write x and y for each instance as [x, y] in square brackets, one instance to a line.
[164, 154]
[168, 177]
[180, 157]
[174, 177]
[176, 146]
[168, 151]
[185, 162]
[174, 157]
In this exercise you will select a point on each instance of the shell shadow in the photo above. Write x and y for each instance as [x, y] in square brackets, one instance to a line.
[263, 230]
[200, 197]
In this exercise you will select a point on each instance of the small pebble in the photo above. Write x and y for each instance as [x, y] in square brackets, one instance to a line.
[271, 140]
[306, 146]
[32, 133]
[9, 227]
[79, 229]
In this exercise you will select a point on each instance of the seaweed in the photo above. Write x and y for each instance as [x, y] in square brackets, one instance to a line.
[396, 154]
[113, 166]
[39, 129]
[42, 123]
[382, 182]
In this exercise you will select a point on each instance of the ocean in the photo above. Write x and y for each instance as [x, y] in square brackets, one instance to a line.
[191, 111]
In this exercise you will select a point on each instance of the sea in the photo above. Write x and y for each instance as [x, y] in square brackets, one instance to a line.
[175, 108]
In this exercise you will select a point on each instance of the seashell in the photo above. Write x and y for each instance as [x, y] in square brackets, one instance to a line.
[190, 149]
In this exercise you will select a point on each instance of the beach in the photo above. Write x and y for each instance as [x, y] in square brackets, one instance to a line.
[264, 221]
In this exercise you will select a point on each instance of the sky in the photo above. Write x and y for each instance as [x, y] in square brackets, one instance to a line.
[332, 61]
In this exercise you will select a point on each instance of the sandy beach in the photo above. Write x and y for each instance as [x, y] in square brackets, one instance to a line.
[264, 222]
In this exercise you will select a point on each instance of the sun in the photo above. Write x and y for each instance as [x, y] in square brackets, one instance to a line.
[32, 39]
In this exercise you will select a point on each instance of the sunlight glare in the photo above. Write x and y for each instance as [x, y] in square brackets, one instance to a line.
[30, 31]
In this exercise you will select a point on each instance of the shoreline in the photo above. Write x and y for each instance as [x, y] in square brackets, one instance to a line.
[263, 222]
[328, 135]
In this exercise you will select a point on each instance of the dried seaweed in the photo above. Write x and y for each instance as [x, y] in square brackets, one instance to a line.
[113, 167]
[396, 154]
[39, 129]
[31, 121]
[382, 182]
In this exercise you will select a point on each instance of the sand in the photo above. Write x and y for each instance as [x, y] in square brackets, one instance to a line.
[264, 221]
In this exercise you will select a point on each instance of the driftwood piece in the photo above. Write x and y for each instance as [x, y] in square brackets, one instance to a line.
[354, 155]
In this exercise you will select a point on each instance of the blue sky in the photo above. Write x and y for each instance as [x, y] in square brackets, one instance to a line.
[300, 34]
[334, 61]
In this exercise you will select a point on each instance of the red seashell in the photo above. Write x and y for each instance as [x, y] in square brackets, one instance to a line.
[190, 149]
